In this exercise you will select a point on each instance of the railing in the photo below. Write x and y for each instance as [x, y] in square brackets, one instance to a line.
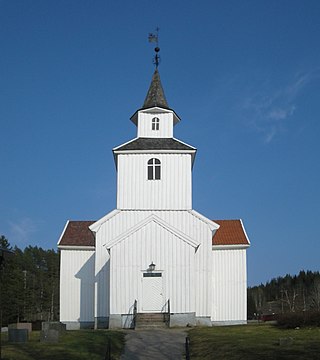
[187, 348]
[166, 312]
[134, 320]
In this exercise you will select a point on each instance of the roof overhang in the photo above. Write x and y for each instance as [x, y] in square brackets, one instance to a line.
[230, 247]
[63, 231]
[117, 152]
[212, 225]
[155, 110]
[75, 247]
[96, 226]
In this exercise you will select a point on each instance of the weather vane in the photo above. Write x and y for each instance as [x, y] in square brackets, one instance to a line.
[154, 38]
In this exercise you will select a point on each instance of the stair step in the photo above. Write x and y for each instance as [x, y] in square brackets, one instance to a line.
[150, 317]
[151, 326]
[150, 320]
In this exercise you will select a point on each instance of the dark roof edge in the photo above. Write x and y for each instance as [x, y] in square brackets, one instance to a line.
[160, 107]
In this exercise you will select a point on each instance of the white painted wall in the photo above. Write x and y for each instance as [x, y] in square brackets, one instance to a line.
[172, 192]
[165, 125]
[133, 255]
[186, 272]
[102, 282]
[229, 285]
[76, 285]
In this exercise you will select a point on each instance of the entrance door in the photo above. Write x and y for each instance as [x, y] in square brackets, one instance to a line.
[152, 300]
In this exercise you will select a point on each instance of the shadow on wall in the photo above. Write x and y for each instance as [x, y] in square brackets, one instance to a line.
[87, 294]
[86, 303]
[103, 296]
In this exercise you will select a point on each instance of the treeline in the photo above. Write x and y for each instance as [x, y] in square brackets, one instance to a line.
[29, 284]
[30, 288]
[288, 294]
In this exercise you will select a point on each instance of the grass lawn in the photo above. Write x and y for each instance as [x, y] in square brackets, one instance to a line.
[72, 345]
[254, 342]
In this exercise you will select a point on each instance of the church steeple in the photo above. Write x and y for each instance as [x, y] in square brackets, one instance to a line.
[155, 95]
[155, 104]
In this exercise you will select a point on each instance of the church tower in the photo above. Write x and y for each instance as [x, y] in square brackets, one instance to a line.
[154, 169]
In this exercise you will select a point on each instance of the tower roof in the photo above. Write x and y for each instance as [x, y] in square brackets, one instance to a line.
[155, 95]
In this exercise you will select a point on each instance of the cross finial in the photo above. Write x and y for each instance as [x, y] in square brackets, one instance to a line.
[154, 38]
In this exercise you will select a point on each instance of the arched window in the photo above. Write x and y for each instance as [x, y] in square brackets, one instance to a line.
[154, 169]
[155, 123]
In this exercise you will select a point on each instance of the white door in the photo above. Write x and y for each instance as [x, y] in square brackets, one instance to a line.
[152, 298]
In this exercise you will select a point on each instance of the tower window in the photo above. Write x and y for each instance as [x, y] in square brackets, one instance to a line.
[155, 123]
[154, 169]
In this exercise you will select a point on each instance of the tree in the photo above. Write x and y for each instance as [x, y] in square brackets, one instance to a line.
[292, 293]
[31, 286]
[315, 295]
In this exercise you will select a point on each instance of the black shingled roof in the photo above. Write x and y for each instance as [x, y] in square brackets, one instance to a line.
[155, 95]
[155, 144]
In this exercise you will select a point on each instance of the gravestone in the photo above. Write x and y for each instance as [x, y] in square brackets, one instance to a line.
[21, 325]
[17, 335]
[50, 336]
[54, 325]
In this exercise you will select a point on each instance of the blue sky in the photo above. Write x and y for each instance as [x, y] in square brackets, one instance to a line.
[244, 76]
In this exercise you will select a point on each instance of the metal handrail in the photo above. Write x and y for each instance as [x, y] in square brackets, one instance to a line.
[134, 314]
[187, 348]
[166, 312]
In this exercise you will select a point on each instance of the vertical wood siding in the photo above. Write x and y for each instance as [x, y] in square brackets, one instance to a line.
[102, 282]
[186, 273]
[133, 255]
[172, 192]
[77, 285]
[165, 125]
[229, 290]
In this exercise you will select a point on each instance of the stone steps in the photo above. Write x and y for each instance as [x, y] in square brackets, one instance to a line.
[150, 320]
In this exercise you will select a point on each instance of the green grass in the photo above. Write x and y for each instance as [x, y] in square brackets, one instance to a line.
[254, 342]
[72, 345]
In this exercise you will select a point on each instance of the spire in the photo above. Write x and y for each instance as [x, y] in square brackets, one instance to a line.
[155, 95]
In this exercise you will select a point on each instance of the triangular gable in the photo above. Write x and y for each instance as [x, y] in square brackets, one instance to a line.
[160, 222]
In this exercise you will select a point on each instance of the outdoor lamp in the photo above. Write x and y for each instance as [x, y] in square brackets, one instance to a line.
[152, 266]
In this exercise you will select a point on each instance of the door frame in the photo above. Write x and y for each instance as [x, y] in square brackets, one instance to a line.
[140, 303]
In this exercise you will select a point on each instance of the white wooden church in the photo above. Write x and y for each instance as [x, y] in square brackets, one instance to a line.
[153, 253]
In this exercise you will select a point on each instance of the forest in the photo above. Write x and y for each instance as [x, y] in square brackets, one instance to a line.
[288, 294]
[29, 284]
[30, 288]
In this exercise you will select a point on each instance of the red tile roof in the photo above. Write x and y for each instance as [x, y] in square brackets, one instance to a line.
[231, 232]
[77, 233]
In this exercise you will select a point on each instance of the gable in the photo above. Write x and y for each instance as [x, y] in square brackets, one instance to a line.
[160, 222]
[231, 232]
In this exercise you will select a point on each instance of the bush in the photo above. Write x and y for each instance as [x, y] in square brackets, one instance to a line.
[299, 319]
